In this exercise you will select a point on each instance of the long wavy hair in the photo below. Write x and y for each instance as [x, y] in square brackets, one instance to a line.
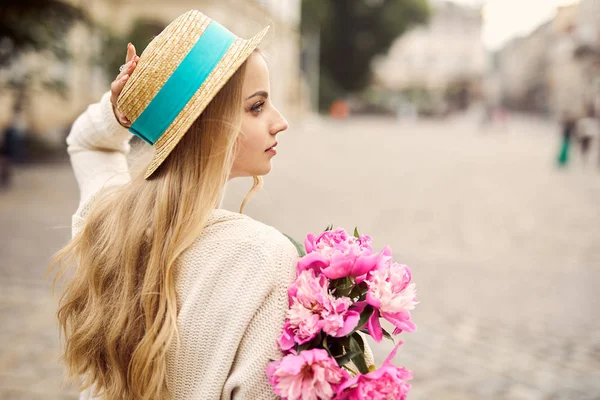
[118, 311]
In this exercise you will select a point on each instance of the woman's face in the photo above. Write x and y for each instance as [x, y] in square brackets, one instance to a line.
[261, 122]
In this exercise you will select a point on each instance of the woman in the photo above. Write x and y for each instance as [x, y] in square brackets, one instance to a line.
[171, 296]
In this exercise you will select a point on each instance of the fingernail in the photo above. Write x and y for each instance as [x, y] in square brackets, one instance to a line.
[124, 78]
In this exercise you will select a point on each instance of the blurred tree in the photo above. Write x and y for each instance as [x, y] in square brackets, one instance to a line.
[115, 46]
[35, 25]
[352, 32]
[28, 26]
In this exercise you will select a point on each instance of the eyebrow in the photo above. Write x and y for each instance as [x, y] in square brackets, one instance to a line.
[259, 93]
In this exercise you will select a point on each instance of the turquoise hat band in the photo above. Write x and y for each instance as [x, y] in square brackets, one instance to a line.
[185, 81]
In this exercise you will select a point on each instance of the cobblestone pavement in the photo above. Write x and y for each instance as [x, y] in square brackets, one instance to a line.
[504, 247]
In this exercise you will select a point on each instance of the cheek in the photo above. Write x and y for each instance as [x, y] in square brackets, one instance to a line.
[250, 137]
[249, 146]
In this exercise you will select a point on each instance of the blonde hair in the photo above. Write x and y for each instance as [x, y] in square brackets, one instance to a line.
[118, 314]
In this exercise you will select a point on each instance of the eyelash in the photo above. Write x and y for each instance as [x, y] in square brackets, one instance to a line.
[257, 108]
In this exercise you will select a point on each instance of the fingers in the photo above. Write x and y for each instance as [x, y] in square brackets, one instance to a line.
[129, 67]
[123, 120]
[130, 52]
[118, 84]
[116, 87]
[130, 60]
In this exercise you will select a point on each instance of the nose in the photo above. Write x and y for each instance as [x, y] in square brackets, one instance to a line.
[280, 124]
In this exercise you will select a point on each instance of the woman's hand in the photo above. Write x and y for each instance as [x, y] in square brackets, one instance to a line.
[119, 83]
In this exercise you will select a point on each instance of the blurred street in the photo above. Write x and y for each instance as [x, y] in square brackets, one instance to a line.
[504, 248]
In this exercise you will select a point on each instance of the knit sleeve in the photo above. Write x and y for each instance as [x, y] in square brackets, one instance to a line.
[98, 146]
[248, 379]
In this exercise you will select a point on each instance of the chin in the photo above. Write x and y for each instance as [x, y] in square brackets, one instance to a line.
[263, 171]
[260, 171]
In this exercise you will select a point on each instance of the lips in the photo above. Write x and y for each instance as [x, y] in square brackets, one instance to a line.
[272, 147]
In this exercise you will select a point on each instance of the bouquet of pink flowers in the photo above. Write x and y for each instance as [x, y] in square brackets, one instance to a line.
[342, 289]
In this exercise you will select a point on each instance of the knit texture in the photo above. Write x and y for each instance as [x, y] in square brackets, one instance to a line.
[231, 282]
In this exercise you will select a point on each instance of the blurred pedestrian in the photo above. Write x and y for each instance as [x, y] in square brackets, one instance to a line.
[568, 130]
[5, 164]
[588, 130]
[11, 147]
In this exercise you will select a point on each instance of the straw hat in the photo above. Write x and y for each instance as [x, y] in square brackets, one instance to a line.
[177, 76]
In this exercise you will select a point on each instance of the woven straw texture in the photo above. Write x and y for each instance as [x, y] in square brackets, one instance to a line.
[158, 62]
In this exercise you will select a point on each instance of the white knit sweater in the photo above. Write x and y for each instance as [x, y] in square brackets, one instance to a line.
[231, 283]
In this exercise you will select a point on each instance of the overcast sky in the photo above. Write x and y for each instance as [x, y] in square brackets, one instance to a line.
[505, 19]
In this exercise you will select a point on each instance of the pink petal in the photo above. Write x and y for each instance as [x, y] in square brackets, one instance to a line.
[291, 364]
[372, 300]
[350, 322]
[309, 243]
[389, 358]
[401, 320]
[365, 264]
[359, 306]
[385, 259]
[286, 340]
[340, 266]
[374, 327]
[313, 261]
[387, 251]
[349, 383]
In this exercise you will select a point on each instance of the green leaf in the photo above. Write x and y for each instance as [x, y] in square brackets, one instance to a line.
[360, 341]
[312, 344]
[345, 359]
[359, 291]
[355, 293]
[301, 347]
[325, 345]
[329, 228]
[334, 346]
[343, 283]
[342, 287]
[364, 317]
[387, 335]
[356, 234]
[359, 358]
[299, 247]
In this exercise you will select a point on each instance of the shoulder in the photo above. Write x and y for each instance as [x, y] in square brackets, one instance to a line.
[250, 239]
[239, 227]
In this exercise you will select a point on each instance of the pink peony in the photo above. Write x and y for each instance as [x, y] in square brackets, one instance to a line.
[385, 383]
[312, 309]
[338, 255]
[310, 375]
[310, 290]
[304, 323]
[338, 319]
[392, 293]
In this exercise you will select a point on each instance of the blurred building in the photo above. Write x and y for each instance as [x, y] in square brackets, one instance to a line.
[49, 114]
[444, 58]
[587, 49]
[556, 68]
[523, 68]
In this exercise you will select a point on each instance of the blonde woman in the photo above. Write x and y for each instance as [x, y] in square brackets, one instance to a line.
[170, 296]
